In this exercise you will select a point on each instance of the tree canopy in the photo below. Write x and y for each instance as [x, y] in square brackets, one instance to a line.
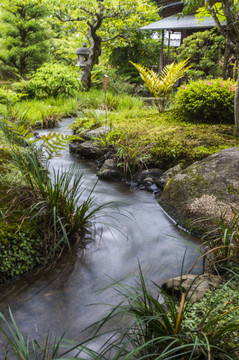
[102, 21]
[25, 35]
[227, 11]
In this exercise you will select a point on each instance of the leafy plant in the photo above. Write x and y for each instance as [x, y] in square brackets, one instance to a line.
[52, 80]
[20, 250]
[148, 329]
[207, 101]
[18, 347]
[89, 120]
[204, 49]
[54, 202]
[106, 140]
[161, 85]
[222, 242]
[131, 158]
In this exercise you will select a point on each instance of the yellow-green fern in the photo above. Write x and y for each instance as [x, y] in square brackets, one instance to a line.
[160, 85]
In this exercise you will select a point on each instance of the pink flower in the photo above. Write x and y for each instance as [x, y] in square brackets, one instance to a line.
[184, 87]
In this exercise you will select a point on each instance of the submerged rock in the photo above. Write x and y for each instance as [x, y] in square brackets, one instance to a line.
[207, 189]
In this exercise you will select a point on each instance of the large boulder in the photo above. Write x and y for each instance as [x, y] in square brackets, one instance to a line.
[207, 189]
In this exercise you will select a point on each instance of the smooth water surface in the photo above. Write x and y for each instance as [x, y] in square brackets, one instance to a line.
[58, 299]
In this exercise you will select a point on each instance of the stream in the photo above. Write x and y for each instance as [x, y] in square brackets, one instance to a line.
[57, 300]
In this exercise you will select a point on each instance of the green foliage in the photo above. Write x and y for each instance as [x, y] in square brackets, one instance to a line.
[143, 50]
[106, 140]
[161, 85]
[131, 157]
[210, 101]
[41, 113]
[204, 50]
[222, 241]
[20, 250]
[18, 347]
[25, 37]
[89, 120]
[52, 80]
[149, 329]
[117, 84]
[9, 97]
[53, 201]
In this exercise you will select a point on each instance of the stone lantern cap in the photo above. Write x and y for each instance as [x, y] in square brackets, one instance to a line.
[84, 50]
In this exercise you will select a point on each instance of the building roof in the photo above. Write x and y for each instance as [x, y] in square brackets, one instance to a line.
[169, 7]
[174, 23]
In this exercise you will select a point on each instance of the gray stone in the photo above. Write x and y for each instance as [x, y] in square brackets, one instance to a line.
[206, 189]
[195, 286]
[167, 175]
[104, 130]
[109, 170]
[146, 179]
[87, 149]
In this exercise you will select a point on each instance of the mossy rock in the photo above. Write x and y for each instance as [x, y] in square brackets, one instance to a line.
[207, 189]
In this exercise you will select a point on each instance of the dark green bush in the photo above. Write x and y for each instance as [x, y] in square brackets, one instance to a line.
[51, 80]
[204, 50]
[20, 250]
[207, 101]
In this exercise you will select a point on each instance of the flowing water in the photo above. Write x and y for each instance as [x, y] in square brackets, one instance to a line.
[58, 299]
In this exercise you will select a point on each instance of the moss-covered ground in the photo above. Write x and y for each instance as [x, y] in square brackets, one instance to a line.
[163, 140]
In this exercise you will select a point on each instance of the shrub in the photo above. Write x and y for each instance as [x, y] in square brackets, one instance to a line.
[204, 49]
[9, 97]
[51, 80]
[208, 101]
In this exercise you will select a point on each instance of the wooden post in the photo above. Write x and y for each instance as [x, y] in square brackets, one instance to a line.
[169, 38]
[161, 59]
[105, 78]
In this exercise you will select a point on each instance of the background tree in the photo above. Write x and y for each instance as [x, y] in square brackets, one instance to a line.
[143, 49]
[205, 49]
[227, 10]
[103, 21]
[26, 34]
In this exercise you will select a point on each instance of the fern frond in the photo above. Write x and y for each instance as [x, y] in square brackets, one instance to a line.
[163, 83]
[172, 73]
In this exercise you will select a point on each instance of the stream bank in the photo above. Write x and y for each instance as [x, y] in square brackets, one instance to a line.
[57, 300]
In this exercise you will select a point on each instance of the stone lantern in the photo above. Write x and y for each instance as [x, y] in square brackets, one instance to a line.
[82, 55]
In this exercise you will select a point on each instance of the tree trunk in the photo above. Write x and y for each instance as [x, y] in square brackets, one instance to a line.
[236, 107]
[94, 54]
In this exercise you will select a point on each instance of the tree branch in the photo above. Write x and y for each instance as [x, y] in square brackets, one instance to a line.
[86, 11]
[220, 27]
[114, 37]
[69, 19]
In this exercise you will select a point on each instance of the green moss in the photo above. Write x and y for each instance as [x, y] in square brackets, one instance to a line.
[231, 189]
[168, 140]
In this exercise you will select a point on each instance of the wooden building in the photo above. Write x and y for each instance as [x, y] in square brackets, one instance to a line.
[172, 22]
